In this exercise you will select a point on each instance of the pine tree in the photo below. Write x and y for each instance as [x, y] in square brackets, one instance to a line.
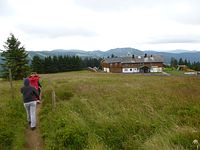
[48, 65]
[173, 62]
[186, 62]
[15, 58]
[55, 64]
[37, 64]
[181, 62]
[61, 64]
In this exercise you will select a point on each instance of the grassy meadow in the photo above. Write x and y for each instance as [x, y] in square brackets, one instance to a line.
[120, 111]
[99, 111]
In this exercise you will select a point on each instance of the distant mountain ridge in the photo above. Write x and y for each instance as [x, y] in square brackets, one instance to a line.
[120, 52]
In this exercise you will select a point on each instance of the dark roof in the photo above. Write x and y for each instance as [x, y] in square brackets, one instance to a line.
[136, 59]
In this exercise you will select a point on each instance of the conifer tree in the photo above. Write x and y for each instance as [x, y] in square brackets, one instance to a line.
[55, 64]
[15, 58]
[61, 64]
[37, 64]
[173, 62]
[181, 62]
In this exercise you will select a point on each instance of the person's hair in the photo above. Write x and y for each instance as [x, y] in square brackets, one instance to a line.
[33, 74]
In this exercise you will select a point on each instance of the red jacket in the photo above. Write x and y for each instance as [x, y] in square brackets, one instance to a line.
[34, 81]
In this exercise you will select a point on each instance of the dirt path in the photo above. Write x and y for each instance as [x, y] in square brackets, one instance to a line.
[33, 138]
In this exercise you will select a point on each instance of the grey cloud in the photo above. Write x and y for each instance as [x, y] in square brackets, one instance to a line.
[182, 11]
[170, 9]
[187, 13]
[106, 5]
[5, 9]
[192, 18]
[175, 39]
[55, 32]
[110, 5]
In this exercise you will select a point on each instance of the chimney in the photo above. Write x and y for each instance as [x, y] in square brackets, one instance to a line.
[151, 55]
[133, 56]
[145, 55]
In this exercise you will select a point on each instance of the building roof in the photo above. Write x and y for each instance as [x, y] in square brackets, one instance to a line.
[136, 59]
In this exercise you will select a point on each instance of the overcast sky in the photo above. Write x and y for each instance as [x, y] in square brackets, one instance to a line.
[102, 24]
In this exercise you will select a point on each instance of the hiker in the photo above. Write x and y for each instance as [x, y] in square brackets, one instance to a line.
[34, 81]
[29, 98]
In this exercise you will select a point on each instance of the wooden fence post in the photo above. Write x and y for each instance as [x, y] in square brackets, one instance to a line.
[53, 99]
[11, 85]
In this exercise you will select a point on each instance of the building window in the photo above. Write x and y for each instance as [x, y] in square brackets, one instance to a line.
[130, 69]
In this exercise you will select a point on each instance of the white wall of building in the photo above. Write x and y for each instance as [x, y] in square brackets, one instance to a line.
[130, 70]
[156, 69]
[136, 70]
[106, 69]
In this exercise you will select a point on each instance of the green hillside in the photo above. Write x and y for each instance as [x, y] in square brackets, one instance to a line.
[109, 111]
[117, 111]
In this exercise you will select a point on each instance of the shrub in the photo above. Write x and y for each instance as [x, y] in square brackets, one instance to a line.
[64, 95]
[72, 137]
[12, 125]
[6, 137]
[124, 134]
[185, 139]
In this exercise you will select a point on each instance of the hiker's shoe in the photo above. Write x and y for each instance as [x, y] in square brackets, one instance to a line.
[33, 128]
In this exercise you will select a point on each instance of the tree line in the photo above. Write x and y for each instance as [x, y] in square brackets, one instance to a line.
[15, 58]
[192, 65]
[54, 64]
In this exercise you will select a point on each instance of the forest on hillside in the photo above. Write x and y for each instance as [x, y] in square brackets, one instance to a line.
[56, 64]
